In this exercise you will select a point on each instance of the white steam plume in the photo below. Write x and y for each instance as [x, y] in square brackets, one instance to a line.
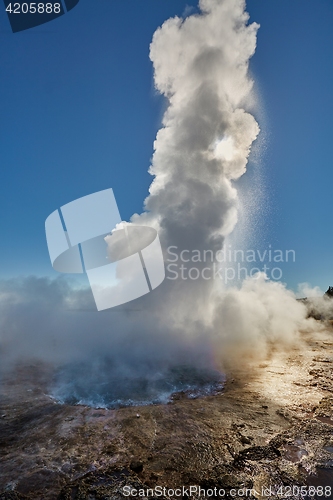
[201, 67]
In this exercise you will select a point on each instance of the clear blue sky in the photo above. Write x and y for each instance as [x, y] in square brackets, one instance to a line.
[78, 114]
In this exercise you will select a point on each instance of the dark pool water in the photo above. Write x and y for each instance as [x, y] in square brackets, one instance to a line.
[104, 385]
[324, 479]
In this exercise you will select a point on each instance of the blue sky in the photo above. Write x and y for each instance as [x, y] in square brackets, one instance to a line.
[78, 114]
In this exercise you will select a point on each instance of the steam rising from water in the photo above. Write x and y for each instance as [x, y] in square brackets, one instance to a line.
[102, 387]
[176, 337]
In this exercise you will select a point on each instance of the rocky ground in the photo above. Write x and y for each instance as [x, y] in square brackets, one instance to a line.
[269, 432]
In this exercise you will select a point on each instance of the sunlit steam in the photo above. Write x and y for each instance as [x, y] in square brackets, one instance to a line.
[225, 149]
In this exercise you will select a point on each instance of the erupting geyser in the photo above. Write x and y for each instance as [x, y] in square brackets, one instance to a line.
[176, 337]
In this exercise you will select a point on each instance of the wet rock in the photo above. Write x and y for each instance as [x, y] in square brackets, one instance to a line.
[294, 453]
[136, 466]
[245, 439]
[325, 407]
[102, 485]
[12, 495]
[259, 453]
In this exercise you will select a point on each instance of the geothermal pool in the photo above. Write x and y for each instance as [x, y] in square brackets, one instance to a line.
[101, 384]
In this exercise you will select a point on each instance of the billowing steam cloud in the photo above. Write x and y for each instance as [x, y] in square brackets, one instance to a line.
[201, 67]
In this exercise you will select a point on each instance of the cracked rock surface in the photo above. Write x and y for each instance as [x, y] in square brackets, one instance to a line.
[270, 428]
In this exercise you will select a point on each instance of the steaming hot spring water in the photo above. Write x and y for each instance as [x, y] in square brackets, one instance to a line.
[103, 385]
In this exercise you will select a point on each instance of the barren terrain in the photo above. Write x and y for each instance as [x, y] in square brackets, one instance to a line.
[270, 428]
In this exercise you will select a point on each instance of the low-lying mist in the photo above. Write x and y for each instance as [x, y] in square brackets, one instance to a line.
[129, 354]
